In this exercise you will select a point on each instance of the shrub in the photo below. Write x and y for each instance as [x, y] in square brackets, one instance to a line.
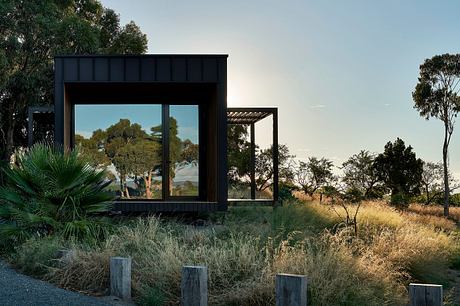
[400, 200]
[49, 191]
[36, 256]
[285, 192]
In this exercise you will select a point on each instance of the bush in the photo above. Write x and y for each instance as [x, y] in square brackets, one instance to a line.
[285, 192]
[36, 256]
[400, 200]
[50, 191]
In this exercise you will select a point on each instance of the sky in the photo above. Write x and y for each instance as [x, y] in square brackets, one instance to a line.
[340, 72]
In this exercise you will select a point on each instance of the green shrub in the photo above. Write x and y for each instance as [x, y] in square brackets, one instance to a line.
[35, 256]
[51, 191]
[151, 296]
[285, 191]
[400, 200]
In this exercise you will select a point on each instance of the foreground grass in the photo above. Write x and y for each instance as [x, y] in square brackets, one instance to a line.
[247, 247]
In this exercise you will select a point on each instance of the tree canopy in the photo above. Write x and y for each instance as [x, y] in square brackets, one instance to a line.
[399, 169]
[31, 34]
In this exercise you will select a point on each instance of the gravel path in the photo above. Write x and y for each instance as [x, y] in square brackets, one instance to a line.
[20, 290]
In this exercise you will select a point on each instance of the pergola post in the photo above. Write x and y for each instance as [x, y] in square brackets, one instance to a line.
[275, 157]
[253, 161]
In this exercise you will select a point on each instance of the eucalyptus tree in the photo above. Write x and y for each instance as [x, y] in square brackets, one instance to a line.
[31, 34]
[436, 95]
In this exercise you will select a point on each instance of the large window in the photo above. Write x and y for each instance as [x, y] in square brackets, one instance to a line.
[127, 141]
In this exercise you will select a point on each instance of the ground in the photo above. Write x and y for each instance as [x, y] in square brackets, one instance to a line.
[20, 290]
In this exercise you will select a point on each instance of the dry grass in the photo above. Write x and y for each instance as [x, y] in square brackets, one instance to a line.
[243, 255]
[435, 210]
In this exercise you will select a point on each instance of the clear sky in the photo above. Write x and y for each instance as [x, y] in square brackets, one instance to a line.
[340, 72]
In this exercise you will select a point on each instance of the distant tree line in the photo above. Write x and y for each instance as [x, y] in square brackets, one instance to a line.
[396, 172]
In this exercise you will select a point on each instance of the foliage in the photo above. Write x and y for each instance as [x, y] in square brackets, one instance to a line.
[400, 170]
[50, 191]
[437, 95]
[264, 166]
[239, 152]
[360, 175]
[314, 174]
[285, 192]
[36, 256]
[151, 296]
[31, 34]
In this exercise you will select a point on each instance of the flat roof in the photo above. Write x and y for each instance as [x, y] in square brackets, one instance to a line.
[140, 55]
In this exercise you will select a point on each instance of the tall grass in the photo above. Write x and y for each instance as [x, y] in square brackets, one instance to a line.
[253, 244]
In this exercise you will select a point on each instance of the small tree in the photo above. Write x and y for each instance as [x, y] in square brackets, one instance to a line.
[360, 175]
[400, 170]
[314, 174]
[436, 95]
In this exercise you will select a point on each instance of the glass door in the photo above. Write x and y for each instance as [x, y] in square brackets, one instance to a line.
[183, 146]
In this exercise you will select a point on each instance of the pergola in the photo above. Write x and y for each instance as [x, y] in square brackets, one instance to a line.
[250, 116]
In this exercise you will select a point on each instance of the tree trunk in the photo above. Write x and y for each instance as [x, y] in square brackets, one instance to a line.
[148, 185]
[446, 171]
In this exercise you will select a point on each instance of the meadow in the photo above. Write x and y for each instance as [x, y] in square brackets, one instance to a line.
[247, 246]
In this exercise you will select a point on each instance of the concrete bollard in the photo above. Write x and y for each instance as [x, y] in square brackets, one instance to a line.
[291, 290]
[194, 286]
[120, 277]
[425, 295]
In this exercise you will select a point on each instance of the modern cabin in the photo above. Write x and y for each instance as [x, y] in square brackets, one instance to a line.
[158, 123]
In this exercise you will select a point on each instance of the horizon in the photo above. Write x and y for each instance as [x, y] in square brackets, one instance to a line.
[343, 72]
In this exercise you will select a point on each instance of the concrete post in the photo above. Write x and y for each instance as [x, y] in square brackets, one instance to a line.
[120, 277]
[291, 290]
[194, 286]
[425, 295]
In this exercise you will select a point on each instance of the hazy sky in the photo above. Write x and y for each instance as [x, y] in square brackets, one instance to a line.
[340, 72]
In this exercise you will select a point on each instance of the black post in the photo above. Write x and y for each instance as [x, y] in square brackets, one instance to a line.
[30, 128]
[275, 157]
[253, 161]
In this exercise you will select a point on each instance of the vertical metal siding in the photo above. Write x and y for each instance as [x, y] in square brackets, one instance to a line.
[101, 69]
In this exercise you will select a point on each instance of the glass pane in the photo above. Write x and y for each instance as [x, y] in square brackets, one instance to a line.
[126, 140]
[183, 150]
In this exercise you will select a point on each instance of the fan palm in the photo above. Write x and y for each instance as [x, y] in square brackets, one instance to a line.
[48, 191]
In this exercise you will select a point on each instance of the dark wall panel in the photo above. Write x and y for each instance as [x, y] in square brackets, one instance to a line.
[163, 71]
[116, 69]
[209, 70]
[132, 71]
[86, 69]
[147, 69]
[179, 70]
[194, 70]
[101, 69]
[71, 69]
